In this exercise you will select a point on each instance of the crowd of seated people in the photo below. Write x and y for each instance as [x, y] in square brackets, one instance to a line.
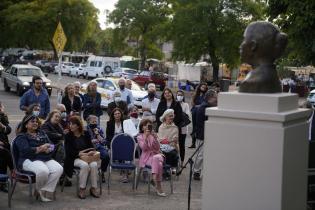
[53, 147]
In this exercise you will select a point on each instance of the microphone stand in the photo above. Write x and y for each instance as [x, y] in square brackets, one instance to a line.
[191, 163]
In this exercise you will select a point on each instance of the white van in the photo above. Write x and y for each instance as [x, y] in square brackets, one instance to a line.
[98, 66]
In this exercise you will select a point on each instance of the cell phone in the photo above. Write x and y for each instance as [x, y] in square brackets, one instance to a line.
[150, 128]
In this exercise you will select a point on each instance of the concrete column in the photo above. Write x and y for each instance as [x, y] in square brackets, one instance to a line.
[256, 152]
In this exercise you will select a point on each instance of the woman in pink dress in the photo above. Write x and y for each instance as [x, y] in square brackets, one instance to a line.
[151, 155]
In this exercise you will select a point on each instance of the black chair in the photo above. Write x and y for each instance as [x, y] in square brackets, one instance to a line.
[19, 175]
[5, 179]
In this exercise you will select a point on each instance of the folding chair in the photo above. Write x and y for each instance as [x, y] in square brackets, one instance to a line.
[19, 175]
[123, 147]
[5, 179]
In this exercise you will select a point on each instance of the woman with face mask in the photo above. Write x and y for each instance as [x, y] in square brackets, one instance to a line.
[98, 139]
[180, 97]
[131, 125]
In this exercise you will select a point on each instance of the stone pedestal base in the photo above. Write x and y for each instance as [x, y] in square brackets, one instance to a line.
[255, 155]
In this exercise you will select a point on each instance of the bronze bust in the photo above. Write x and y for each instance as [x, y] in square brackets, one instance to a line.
[263, 43]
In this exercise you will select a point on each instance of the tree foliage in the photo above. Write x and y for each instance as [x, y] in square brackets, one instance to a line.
[32, 22]
[211, 28]
[143, 22]
[297, 19]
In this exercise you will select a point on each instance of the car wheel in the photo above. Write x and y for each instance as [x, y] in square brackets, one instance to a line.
[19, 90]
[6, 87]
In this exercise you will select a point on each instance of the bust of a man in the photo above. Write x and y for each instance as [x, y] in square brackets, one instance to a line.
[263, 44]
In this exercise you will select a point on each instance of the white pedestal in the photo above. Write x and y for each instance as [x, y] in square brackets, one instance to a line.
[256, 153]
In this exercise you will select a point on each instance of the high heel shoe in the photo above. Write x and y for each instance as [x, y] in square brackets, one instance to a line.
[39, 195]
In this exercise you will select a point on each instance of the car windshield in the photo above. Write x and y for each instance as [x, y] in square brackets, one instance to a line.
[30, 72]
[130, 71]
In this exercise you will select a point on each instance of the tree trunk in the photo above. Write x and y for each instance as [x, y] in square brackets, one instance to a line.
[143, 56]
[215, 64]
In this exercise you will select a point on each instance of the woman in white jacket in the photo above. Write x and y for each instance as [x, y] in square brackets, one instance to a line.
[180, 97]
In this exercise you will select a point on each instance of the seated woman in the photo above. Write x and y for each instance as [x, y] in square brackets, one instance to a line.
[151, 155]
[55, 134]
[168, 137]
[114, 125]
[33, 109]
[35, 155]
[72, 102]
[131, 125]
[99, 142]
[76, 141]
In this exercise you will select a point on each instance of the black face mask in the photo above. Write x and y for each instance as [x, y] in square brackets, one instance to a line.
[122, 87]
[151, 95]
[93, 126]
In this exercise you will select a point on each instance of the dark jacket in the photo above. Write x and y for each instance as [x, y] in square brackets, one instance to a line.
[76, 106]
[177, 111]
[91, 106]
[121, 105]
[26, 147]
[200, 120]
[72, 152]
[110, 131]
[54, 132]
[4, 132]
[30, 98]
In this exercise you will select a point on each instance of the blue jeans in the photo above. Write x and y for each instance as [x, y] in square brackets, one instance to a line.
[104, 156]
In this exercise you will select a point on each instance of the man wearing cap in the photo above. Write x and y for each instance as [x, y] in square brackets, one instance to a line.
[36, 94]
[150, 103]
[126, 94]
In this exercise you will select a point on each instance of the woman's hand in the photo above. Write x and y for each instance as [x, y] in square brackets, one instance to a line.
[66, 131]
[91, 153]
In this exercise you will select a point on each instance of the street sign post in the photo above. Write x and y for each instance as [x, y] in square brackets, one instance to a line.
[59, 41]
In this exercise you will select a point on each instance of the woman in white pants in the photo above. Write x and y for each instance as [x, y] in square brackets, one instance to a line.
[35, 155]
[76, 141]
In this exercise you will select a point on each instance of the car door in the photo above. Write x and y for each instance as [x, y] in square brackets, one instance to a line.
[12, 77]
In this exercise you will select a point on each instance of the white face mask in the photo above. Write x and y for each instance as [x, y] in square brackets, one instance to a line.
[36, 113]
[180, 98]
[117, 99]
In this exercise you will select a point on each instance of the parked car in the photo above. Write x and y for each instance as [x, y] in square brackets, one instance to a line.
[127, 73]
[145, 77]
[98, 66]
[78, 70]
[1, 69]
[107, 86]
[311, 97]
[19, 77]
[66, 67]
[49, 67]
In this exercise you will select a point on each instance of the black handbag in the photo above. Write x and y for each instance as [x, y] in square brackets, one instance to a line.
[185, 120]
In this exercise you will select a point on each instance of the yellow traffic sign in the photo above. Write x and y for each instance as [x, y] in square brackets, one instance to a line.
[59, 39]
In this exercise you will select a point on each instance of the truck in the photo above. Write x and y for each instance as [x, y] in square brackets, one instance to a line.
[19, 78]
[98, 66]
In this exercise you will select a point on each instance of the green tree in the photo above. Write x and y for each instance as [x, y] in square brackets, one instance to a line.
[297, 19]
[213, 28]
[32, 23]
[143, 22]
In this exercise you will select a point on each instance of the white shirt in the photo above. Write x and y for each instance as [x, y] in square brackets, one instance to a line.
[131, 126]
[124, 96]
[152, 105]
[118, 128]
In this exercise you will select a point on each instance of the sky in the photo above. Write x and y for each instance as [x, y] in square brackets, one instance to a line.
[103, 5]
